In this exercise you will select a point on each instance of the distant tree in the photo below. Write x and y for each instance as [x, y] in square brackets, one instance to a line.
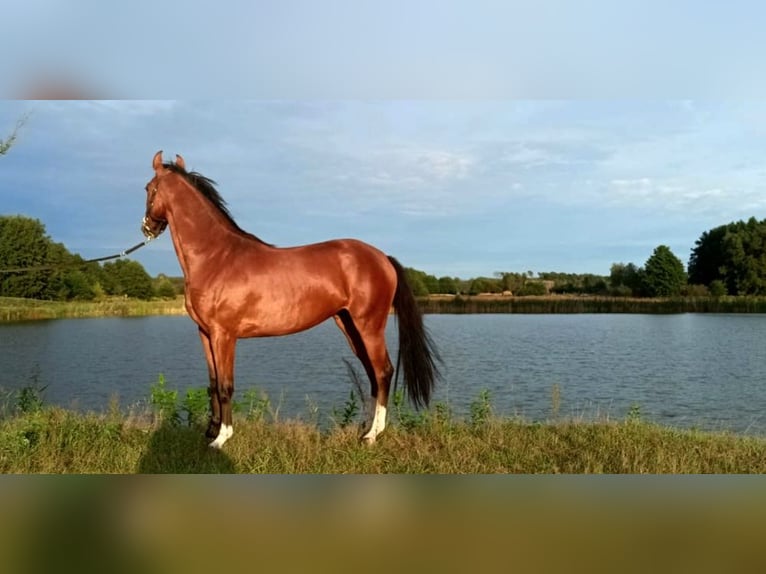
[717, 288]
[532, 288]
[448, 285]
[617, 275]
[575, 282]
[431, 283]
[78, 286]
[594, 284]
[664, 274]
[416, 279]
[511, 281]
[126, 277]
[484, 285]
[626, 279]
[708, 259]
[734, 254]
[163, 287]
[23, 243]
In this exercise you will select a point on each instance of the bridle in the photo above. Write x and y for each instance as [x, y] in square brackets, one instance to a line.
[145, 228]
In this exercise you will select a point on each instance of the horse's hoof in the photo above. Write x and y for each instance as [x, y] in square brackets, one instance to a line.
[225, 434]
[212, 430]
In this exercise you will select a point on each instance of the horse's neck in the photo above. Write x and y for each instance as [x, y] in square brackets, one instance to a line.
[200, 233]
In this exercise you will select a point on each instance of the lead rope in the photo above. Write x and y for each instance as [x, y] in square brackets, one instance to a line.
[76, 265]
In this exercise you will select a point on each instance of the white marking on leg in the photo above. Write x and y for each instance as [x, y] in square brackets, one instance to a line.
[378, 424]
[224, 434]
[370, 413]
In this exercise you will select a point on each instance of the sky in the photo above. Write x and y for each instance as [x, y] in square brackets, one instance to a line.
[395, 49]
[452, 187]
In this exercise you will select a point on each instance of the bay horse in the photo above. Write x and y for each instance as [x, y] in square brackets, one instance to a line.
[238, 286]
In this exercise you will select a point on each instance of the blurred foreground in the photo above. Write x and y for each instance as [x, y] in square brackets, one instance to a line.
[336, 524]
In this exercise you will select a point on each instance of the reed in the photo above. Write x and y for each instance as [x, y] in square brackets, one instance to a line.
[16, 309]
[590, 304]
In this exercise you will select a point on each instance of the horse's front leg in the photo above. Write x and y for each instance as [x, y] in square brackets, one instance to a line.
[223, 345]
[214, 424]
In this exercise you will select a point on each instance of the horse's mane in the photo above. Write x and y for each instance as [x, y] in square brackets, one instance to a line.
[206, 187]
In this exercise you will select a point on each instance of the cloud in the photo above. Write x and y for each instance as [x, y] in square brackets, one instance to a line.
[298, 171]
[136, 107]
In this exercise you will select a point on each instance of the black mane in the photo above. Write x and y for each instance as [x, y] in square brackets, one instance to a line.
[206, 187]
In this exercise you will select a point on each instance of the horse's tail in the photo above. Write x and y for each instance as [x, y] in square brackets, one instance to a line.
[417, 353]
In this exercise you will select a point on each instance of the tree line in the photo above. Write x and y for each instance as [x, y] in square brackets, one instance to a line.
[25, 243]
[726, 260]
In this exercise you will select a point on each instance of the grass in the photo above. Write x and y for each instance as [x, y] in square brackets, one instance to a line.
[17, 309]
[39, 439]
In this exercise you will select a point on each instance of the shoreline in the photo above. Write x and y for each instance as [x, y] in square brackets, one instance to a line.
[14, 310]
[55, 440]
[576, 304]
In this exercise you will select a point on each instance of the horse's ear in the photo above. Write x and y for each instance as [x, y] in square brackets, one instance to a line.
[180, 162]
[157, 161]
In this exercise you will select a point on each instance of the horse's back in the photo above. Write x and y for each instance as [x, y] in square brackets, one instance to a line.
[276, 291]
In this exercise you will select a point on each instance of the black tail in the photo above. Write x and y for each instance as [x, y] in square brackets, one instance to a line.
[417, 353]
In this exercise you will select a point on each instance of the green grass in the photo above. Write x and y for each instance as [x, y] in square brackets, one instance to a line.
[54, 440]
[16, 309]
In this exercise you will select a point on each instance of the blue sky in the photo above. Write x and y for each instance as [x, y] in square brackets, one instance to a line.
[452, 187]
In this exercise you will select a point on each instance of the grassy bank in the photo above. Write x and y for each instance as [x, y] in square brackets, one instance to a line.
[590, 304]
[53, 440]
[15, 309]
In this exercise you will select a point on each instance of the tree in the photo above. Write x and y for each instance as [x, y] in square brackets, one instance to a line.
[23, 243]
[416, 279]
[484, 285]
[664, 274]
[126, 277]
[448, 285]
[717, 288]
[708, 257]
[511, 281]
[734, 254]
[626, 279]
[7, 143]
[163, 287]
[532, 288]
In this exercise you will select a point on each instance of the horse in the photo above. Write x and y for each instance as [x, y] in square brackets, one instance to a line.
[238, 286]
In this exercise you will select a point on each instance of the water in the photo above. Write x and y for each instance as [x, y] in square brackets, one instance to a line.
[691, 370]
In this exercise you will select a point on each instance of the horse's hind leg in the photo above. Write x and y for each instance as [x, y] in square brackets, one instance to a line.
[347, 327]
[375, 344]
[369, 345]
[214, 425]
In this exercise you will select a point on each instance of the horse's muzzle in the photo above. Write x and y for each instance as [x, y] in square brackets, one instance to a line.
[152, 228]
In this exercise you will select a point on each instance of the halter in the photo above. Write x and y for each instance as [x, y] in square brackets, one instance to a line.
[147, 218]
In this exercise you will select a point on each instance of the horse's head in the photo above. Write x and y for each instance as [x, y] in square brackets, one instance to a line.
[155, 220]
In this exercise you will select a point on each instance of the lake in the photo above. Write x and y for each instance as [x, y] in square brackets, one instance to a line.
[688, 370]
